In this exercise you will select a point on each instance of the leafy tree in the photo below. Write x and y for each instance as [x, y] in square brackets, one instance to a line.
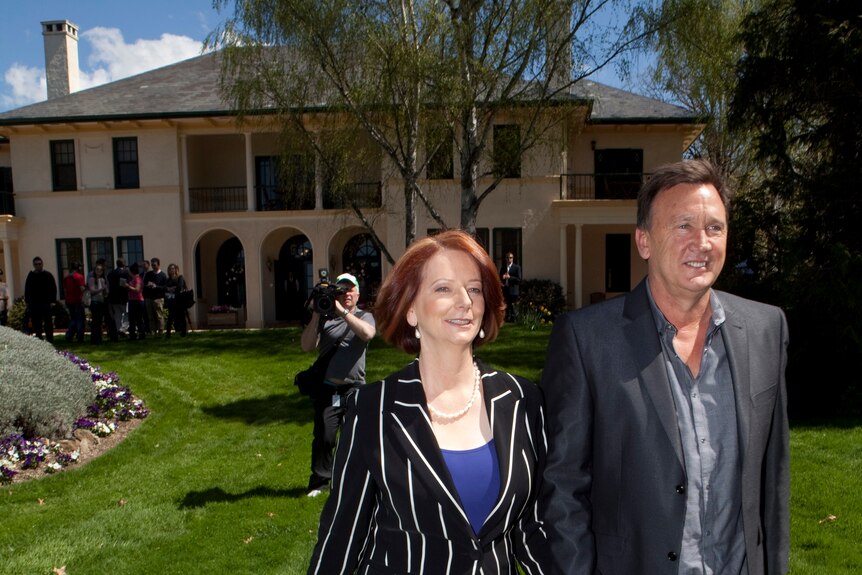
[799, 89]
[402, 71]
[526, 57]
[695, 49]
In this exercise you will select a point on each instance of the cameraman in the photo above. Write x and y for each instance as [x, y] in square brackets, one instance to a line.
[354, 328]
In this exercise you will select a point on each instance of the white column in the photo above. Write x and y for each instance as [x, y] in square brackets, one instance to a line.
[318, 184]
[564, 262]
[184, 162]
[579, 265]
[249, 173]
[10, 272]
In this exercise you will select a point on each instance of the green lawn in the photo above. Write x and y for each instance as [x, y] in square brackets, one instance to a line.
[214, 480]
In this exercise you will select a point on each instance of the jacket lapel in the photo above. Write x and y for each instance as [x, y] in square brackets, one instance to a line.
[410, 433]
[738, 355]
[645, 348]
[504, 411]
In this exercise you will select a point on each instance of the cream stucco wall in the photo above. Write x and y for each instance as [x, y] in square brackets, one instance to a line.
[218, 154]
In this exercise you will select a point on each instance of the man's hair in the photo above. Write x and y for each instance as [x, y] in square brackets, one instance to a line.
[37, 259]
[74, 267]
[698, 171]
[121, 263]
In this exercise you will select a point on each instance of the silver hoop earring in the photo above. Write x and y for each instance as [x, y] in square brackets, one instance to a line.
[418, 335]
[481, 333]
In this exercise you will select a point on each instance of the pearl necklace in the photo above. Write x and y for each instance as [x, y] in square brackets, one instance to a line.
[443, 415]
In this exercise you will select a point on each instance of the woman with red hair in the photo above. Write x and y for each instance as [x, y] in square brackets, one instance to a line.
[438, 465]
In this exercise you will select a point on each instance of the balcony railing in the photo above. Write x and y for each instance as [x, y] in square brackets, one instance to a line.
[601, 186]
[275, 198]
[7, 203]
[365, 194]
[207, 200]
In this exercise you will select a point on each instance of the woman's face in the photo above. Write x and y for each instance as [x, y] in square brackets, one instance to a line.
[100, 270]
[172, 271]
[450, 304]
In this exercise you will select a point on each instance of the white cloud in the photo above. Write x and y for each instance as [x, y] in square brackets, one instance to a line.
[27, 86]
[111, 58]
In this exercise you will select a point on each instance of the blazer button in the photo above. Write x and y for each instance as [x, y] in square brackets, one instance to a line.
[680, 489]
[672, 555]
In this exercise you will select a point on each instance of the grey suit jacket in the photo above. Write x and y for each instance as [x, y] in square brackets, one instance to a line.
[613, 499]
[394, 508]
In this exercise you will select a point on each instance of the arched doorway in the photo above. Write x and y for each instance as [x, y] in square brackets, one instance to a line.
[230, 273]
[362, 258]
[294, 278]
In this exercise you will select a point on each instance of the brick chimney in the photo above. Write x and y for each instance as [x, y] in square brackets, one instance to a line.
[61, 57]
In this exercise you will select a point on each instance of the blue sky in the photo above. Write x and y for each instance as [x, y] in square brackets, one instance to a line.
[117, 38]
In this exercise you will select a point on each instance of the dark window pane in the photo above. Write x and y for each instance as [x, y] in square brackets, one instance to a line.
[63, 173]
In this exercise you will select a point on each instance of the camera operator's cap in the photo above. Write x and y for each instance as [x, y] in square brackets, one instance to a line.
[347, 278]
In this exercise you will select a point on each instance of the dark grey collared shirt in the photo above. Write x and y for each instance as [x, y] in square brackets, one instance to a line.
[712, 540]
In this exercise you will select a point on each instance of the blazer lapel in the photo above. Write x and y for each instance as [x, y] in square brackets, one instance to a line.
[409, 429]
[505, 413]
[645, 348]
[738, 356]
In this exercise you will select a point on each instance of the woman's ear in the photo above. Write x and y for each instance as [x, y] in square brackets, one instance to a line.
[411, 318]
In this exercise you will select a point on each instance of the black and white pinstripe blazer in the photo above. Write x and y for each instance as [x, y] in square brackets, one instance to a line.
[394, 508]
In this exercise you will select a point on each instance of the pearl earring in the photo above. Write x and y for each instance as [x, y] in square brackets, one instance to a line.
[418, 335]
[481, 333]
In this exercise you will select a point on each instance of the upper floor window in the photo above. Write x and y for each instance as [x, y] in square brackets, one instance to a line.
[63, 177]
[507, 151]
[126, 163]
[439, 148]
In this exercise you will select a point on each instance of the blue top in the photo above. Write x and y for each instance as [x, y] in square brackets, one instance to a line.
[476, 473]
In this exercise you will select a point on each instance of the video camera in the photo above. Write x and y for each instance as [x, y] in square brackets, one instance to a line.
[323, 295]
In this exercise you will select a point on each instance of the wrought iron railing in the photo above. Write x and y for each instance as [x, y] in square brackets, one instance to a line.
[601, 186]
[275, 198]
[227, 199]
[365, 194]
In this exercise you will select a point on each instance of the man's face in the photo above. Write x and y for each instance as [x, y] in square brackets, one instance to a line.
[350, 297]
[156, 265]
[37, 265]
[686, 242]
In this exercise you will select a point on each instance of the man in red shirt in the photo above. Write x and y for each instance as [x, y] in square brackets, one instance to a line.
[73, 291]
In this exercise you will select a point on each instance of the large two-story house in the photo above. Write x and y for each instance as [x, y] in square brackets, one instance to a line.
[156, 165]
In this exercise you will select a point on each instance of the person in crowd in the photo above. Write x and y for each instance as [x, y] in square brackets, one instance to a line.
[4, 301]
[97, 284]
[144, 268]
[174, 287]
[438, 465]
[350, 329]
[118, 298]
[667, 407]
[510, 276]
[154, 295]
[74, 286]
[135, 289]
[40, 295]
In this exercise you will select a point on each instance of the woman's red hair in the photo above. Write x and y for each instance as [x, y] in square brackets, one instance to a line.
[402, 284]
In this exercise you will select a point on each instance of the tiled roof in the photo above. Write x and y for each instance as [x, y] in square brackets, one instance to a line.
[190, 89]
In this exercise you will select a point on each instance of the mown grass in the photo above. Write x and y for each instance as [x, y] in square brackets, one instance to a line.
[214, 480]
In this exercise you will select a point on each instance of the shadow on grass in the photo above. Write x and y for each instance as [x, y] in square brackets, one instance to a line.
[197, 499]
[274, 408]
